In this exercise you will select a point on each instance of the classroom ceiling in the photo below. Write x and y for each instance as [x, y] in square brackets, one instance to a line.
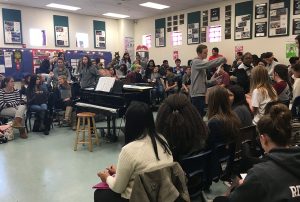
[127, 7]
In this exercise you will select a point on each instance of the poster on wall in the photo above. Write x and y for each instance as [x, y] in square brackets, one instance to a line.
[129, 46]
[12, 32]
[100, 39]
[291, 50]
[160, 37]
[193, 33]
[205, 18]
[7, 59]
[214, 14]
[278, 20]
[260, 29]
[296, 26]
[203, 34]
[228, 22]
[62, 36]
[296, 7]
[243, 27]
[260, 11]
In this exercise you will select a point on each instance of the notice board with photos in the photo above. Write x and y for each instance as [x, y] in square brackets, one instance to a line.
[61, 31]
[12, 26]
[243, 20]
[160, 32]
[99, 34]
[279, 12]
[193, 27]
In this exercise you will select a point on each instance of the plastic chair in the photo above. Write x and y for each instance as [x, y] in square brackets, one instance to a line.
[196, 168]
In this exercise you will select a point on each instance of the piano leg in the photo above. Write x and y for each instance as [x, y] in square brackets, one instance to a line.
[108, 126]
[114, 126]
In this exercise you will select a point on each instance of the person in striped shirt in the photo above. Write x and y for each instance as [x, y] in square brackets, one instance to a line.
[12, 105]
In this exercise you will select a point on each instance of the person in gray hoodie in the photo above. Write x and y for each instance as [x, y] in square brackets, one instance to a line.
[276, 179]
[199, 78]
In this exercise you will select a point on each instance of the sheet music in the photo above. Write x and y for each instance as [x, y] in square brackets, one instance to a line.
[105, 84]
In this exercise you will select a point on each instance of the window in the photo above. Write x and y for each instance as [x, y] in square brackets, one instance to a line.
[37, 37]
[82, 40]
[147, 40]
[215, 33]
[176, 38]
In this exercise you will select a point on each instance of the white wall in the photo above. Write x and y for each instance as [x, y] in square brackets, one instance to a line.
[43, 19]
[227, 47]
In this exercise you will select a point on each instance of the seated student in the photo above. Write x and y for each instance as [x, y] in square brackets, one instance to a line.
[277, 178]
[24, 85]
[223, 77]
[282, 87]
[37, 99]
[261, 91]
[223, 123]
[65, 98]
[296, 86]
[182, 126]
[144, 149]
[157, 82]
[171, 82]
[186, 81]
[12, 105]
[135, 76]
[240, 105]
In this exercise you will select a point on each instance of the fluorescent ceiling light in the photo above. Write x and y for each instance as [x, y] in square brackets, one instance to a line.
[61, 6]
[154, 5]
[116, 15]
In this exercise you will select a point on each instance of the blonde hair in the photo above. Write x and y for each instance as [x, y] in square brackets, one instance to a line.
[260, 80]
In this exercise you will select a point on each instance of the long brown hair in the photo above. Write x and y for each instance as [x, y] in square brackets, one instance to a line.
[219, 108]
[260, 80]
[65, 84]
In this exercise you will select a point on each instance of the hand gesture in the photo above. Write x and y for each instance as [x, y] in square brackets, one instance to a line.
[111, 170]
[103, 175]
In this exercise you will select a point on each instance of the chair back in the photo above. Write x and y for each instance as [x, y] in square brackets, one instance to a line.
[196, 168]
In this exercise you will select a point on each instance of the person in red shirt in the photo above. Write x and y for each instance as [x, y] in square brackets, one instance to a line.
[215, 54]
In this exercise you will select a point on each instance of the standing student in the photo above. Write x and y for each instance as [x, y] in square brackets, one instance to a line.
[88, 73]
[198, 76]
[282, 86]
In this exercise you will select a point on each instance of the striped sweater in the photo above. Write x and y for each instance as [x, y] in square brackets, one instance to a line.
[12, 99]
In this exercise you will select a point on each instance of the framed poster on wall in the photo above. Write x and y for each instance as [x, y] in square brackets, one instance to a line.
[279, 18]
[12, 26]
[243, 27]
[61, 36]
[296, 26]
[260, 29]
[193, 33]
[296, 7]
[100, 39]
[214, 14]
[260, 11]
[160, 37]
[228, 22]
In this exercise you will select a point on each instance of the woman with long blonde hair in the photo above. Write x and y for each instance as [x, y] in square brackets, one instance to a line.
[261, 91]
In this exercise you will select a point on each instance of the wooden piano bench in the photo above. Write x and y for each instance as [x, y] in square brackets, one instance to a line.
[86, 123]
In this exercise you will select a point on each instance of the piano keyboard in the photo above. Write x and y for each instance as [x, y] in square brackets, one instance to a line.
[112, 110]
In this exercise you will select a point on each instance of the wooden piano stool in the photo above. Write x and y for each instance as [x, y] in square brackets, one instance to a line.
[84, 125]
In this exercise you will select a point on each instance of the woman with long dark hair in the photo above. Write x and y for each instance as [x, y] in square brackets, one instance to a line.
[37, 99]
[88, 73]
[144, 149]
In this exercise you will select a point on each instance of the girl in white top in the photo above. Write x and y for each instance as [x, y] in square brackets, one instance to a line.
[144, 149]
[262, 92]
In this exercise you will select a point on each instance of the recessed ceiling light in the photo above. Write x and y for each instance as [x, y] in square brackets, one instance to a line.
[116, 15]
[154, 5]
[61, 6]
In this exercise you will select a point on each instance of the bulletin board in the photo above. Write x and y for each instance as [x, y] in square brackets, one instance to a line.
[160, 32]
[193, 27]
[99, 34]
[12, 26]
[279, 18]
[61, 31]
[243, 20]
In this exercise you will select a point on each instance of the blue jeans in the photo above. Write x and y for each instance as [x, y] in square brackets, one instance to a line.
[199, 103]
[37, 108]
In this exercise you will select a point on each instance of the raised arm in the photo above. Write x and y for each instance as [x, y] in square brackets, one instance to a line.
[202, 64]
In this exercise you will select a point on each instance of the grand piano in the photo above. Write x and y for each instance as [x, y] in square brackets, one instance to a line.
[113, 104]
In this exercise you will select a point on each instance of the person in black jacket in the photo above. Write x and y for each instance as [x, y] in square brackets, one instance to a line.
[278, 177]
